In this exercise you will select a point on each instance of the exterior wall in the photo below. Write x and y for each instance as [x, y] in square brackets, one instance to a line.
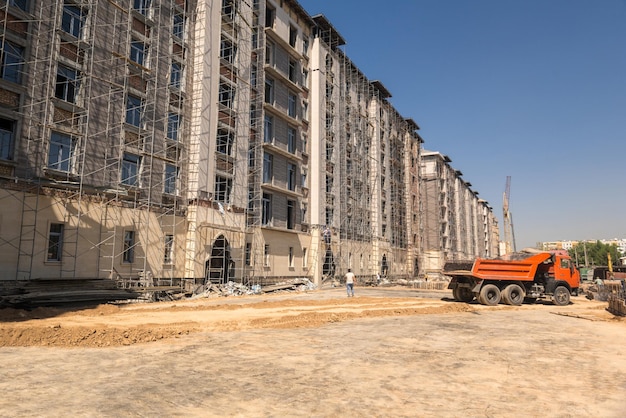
[93, 243]
[359, 169]
[458, 225]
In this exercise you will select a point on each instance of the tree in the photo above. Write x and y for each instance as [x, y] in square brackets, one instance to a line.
[597, 253]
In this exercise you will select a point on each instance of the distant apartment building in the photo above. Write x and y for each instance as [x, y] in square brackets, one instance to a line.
[211, 140]
[458, 225]
[568, 245]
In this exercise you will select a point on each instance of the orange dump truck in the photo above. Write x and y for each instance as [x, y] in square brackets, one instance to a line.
[519, 277]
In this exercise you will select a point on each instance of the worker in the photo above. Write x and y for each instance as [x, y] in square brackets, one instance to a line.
[350, 279]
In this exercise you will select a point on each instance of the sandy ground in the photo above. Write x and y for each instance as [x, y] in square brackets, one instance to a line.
[386, 352]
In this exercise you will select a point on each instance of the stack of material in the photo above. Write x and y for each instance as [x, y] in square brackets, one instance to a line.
[46, 292]
[617, 299]
[617, 305]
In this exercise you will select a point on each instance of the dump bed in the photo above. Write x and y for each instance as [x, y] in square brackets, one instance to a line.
[492, 269]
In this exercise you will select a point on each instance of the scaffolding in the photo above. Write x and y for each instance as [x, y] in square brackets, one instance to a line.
[95, 169]
[139, 132]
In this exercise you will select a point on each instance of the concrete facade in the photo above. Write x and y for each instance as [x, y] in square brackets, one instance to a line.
[204, 140]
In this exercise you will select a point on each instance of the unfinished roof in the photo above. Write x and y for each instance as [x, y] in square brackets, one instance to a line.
[385, 94]
[412, 124]
[296, 7]
[426, 153]
[330, 35]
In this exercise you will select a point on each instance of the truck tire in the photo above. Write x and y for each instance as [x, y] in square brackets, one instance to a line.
[561, 296]
[489, 295]
[513, 295]
[462, 294]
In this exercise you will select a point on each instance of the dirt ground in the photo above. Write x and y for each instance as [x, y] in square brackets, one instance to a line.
[386, 352]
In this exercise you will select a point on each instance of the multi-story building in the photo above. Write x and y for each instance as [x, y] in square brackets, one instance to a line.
[458, 226]
[208, 140]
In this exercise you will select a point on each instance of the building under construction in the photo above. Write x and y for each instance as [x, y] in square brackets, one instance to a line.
[191, 141]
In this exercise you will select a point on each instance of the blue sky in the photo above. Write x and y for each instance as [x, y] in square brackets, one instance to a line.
[532, 89]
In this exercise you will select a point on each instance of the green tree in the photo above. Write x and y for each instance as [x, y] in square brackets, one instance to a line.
[597, 253]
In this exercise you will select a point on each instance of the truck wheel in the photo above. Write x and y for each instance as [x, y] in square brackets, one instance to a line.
[466, 295]
[489, 295]
[462, 294]
[561, 296]
[513, 294]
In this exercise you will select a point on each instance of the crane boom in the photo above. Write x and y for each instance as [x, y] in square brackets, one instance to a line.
[509, 236]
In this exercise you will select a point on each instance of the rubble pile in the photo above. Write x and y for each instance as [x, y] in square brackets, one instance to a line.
[238, 289]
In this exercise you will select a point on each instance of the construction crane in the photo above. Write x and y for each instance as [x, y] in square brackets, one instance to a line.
[509, 235]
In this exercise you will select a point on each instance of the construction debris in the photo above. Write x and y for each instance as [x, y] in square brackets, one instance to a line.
[238, 289]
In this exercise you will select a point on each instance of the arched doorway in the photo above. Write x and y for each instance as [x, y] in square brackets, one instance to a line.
[220, 267]
[384, 267]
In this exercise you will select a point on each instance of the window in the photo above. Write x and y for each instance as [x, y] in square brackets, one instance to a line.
[304, 258]
[134, 110]
[293, 36]
[73, 20]
[22, 4]
[227, 50]
[142, 6]
[292, 105]
[270, 15]
[293, 67]
[329, 121]
[168, 249]
[138, 52]
[7, 138]
[305, 46]
[266, 255]
[176, 75]
[269, 91]
[67, 84]
[223, 187]
[268, 133]
[266, 215]
[130, 169]
[128, 256]
[291, 215]
[291, 176]
[255, 38]
[329, 216]
[227, 95]
[248, 253]
[228, 8]
[173, 125]
[12, 62]
[291, 257]
[291, 140]
[170, 182]
[305, 77]
[61, 152]
[269, 53]
[254, 73]
[268, 161]
[55, 242]
[253, 116]
[178, 26]
[225, 139]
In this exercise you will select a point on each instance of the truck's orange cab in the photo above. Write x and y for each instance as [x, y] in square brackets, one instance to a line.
[564, 270]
